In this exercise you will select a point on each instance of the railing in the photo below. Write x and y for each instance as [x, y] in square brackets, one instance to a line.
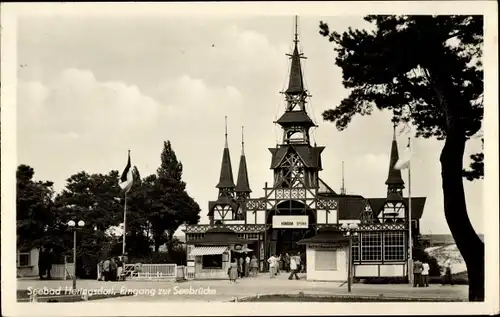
[189, 272]
[150, 271]
[62, 271]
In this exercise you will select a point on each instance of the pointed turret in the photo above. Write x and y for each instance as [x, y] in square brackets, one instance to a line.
[295, 120]
[296, 81]
[394, 182]
[242, 185]
[226, 180]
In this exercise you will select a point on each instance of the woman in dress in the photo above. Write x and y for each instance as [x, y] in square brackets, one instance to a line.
[233, 271]
[254, 265]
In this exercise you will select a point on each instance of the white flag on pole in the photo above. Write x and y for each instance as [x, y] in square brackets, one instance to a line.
[404, 160]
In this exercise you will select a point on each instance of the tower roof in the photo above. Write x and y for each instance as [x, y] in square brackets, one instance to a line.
[296, 82]
[394, 175]
[226, 171]
[295, 117]
[242, 184]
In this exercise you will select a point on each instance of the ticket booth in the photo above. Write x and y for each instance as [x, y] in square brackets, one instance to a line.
[327, 255]
[210, 257]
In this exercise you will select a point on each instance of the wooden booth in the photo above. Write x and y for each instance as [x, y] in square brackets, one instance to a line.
[211, 256]
[327, 255]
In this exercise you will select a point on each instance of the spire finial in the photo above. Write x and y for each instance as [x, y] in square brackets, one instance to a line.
[394, 125]
[242, 141]
[296, 30]
[226, 145]
[342, 190]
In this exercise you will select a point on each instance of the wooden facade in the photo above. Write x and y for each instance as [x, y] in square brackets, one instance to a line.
[298, 190]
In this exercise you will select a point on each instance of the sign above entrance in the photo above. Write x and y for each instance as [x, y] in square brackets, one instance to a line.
[290, 222]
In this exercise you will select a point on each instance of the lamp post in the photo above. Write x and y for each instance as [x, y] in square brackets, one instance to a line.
[73, 227]
[350, 232]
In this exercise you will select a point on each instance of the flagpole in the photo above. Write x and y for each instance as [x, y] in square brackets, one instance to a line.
[124, 224]
[410, 238]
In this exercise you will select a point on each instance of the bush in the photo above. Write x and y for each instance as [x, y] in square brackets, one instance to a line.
[178, 256]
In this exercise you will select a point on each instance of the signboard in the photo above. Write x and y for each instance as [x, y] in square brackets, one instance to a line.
[291, 222]
[323, 246]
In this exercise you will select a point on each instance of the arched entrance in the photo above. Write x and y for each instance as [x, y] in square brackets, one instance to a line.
[283, 239]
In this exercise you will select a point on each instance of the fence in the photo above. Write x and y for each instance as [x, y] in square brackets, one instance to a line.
[62, 271]
[151, 271]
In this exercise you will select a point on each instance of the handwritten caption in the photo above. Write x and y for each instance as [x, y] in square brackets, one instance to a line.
[123, 290]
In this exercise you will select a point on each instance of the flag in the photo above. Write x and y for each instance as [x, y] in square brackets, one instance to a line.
[126, 179]
[404, 160]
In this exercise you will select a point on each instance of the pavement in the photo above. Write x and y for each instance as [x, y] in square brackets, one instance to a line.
[223, 290]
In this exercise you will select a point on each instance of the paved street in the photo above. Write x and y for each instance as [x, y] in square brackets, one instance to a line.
[222, 290]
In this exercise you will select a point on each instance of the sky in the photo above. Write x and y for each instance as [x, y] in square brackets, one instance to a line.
[91, 88]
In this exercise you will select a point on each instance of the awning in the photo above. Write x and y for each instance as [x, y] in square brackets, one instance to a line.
[208, 250]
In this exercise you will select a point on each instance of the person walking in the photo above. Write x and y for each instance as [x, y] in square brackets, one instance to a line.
[48, 264]
[254, 265]
[100, 271]
[240, 266]
[293, 268]
[287, 262]
[247, 266]
[417, 273]
[272, 265]
[448, 278]
[425, 274]
[232, 272]
[298, 260]
[42, 266]
[119, 268]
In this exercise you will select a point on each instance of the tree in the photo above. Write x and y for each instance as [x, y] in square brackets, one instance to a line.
[171, 205]
[35, 216]
[427, 70]
[95, 199]
[138, 238]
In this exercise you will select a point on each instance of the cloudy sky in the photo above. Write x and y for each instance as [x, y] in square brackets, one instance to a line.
[90, 88]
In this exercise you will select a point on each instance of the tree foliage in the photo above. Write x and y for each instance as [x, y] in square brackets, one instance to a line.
[172, 204]
[156, 206]
[414, 66]
[34, 208]
[427, 71]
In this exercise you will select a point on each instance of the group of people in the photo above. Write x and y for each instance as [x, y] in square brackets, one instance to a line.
[421, 273]
[292, 264]
[111, 269]
[243, 266]
[45, 261]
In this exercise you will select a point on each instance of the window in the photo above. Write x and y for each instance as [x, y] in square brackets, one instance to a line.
[394, 246]
[253, 236]
[195, 236]
[371, 246]
[355, 249]
[213, 261]
[24, 259]
[241, 235]
[325, 260]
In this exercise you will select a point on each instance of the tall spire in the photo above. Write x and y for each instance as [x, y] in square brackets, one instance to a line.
[226, 146]
[296, 83]
[394, 181]
[242, 141]
[342, 189]
[242, 184]
[226, 180]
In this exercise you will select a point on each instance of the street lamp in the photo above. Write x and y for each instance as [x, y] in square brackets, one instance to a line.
[350, 232]
[73, 227]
